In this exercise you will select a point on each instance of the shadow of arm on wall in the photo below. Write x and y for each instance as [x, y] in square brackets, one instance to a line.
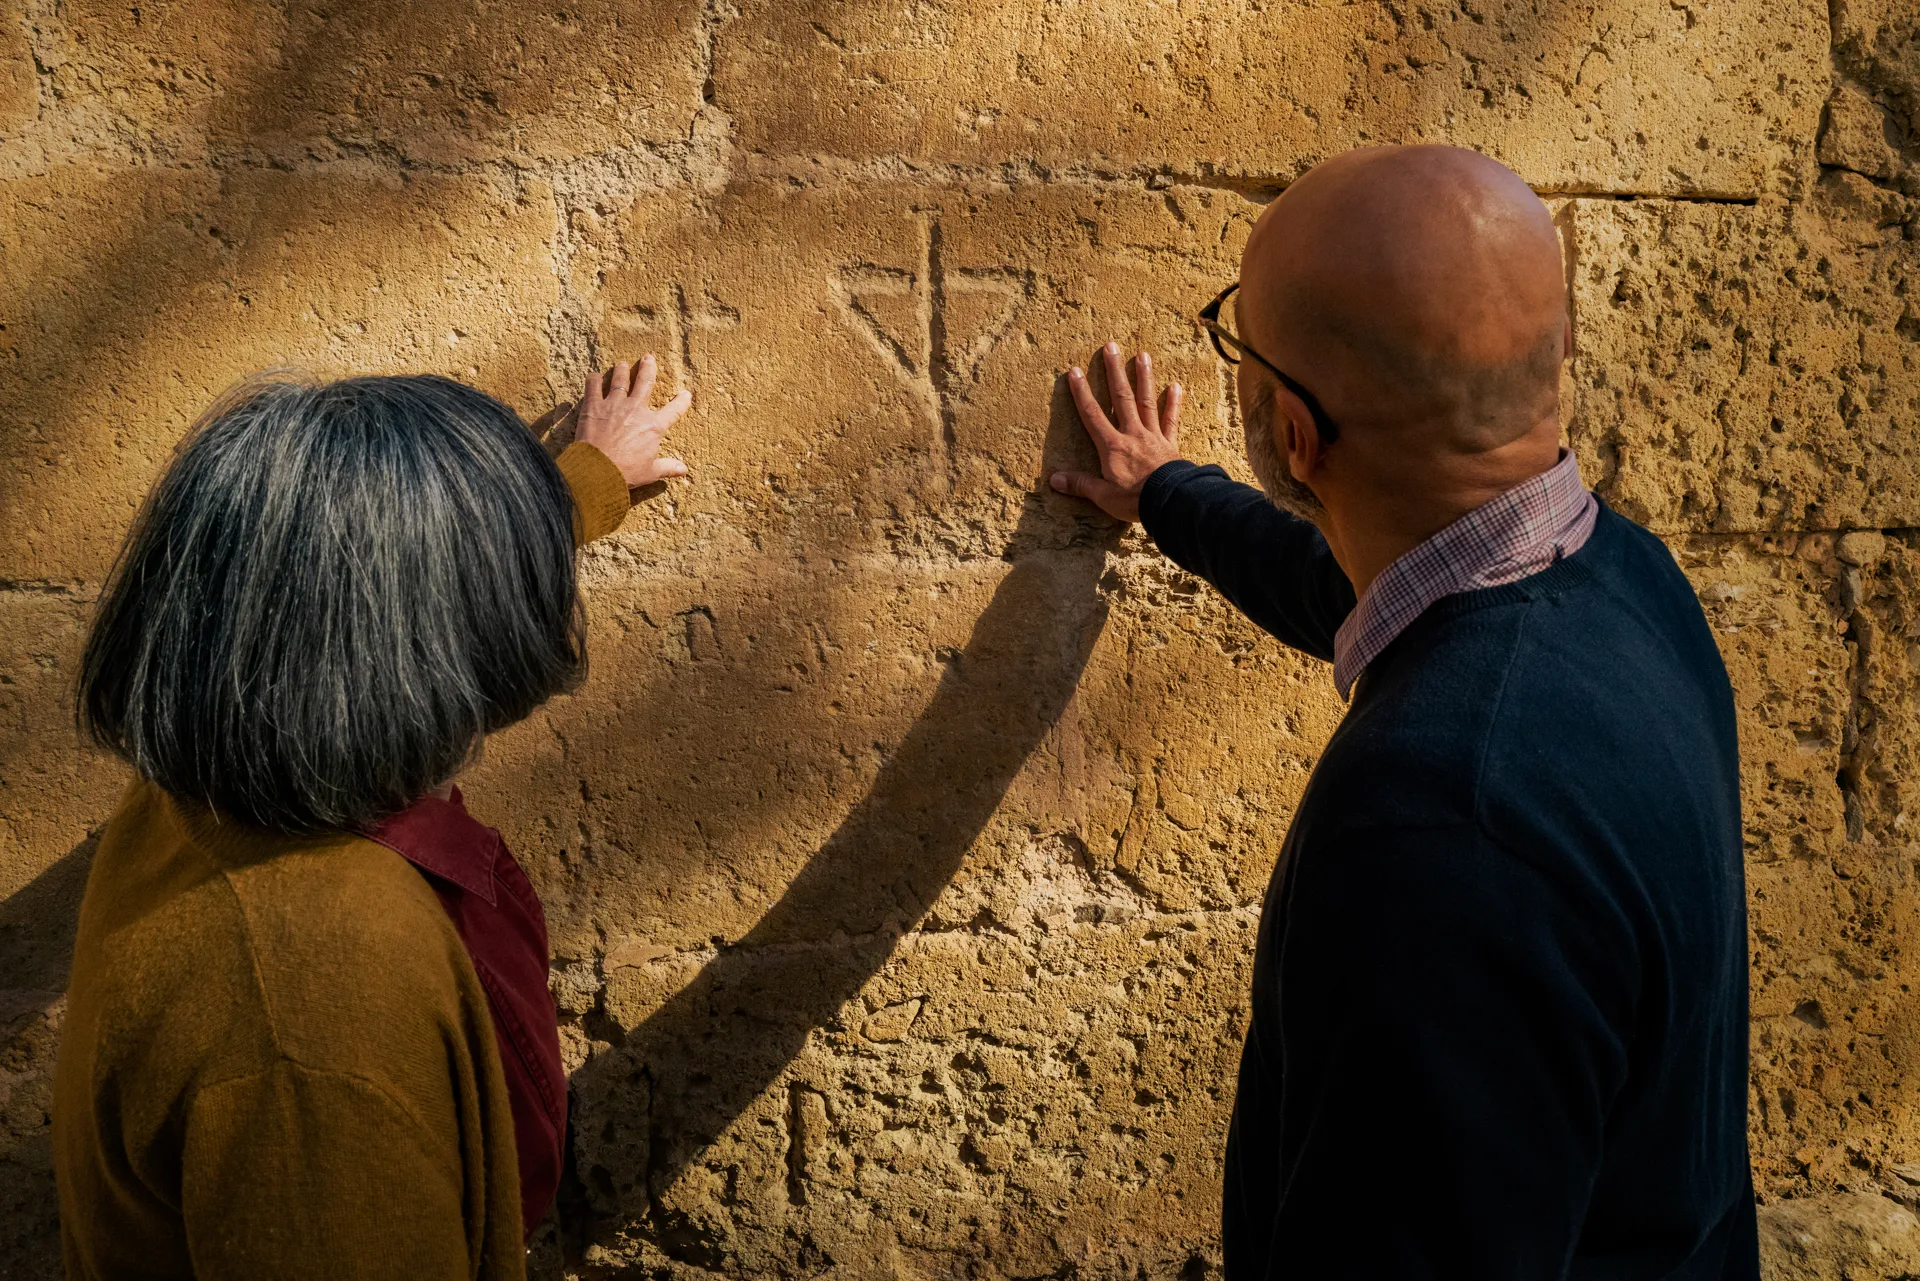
[694, 1065]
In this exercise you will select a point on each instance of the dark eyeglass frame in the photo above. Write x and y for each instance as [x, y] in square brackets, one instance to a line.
[1231, 349]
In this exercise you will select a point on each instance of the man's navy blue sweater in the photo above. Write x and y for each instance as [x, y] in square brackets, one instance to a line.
[1499, 1019]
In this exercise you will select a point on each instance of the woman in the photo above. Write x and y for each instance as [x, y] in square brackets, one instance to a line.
[308, 1031]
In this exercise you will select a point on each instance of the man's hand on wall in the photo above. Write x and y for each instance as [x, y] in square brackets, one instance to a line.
[1142, 433]
[618, 418]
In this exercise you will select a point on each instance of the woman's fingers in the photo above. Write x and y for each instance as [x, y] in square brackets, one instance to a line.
[671, 412]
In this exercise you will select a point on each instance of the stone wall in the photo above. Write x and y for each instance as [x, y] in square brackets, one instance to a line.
[903, 851]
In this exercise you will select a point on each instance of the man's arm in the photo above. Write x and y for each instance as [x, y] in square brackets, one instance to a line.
[1445, 1013]
[1276, 568]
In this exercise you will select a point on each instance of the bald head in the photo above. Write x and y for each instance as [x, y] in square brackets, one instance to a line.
[1416, 290]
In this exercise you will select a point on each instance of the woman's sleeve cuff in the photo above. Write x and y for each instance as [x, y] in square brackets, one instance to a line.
[600, 495]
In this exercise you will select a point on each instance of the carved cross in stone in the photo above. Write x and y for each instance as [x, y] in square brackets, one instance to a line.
[933, 324]
[677, 321]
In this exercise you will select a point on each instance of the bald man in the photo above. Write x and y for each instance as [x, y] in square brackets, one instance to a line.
[1499, 1012]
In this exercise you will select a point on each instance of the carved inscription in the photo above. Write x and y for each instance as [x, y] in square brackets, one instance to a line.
[932, 323]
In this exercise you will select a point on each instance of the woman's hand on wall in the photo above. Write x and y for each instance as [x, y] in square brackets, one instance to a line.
[618, 418]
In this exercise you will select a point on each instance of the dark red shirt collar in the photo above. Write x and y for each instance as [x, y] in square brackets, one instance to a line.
[440, 837]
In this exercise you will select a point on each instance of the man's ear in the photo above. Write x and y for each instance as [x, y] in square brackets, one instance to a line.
[1299, 437]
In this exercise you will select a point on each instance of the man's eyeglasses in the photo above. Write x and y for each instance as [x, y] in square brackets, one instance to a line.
[1231, 349]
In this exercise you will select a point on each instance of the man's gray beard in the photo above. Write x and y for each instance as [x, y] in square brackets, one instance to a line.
[1270, 469]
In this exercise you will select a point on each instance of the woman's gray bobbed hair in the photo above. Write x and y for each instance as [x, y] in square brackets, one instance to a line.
[334, 592]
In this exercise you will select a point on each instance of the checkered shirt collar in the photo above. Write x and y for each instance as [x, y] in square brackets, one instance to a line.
[1517, 534]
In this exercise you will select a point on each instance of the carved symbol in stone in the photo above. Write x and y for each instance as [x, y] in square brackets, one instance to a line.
[678, 321]
[934, 325]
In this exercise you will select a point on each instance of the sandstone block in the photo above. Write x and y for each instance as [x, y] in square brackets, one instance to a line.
[1776, 617]
[880, 367]
[1604, 95]
[1052, 1102]
[1749, 368]
[441, 81]
[19, 82]
[786, 754]
[54, 796]
[133, 298]
[54, 791]
[1838, 1237]
[1812, 644]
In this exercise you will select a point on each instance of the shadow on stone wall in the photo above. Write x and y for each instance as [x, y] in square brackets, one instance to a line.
[656, 1100]
[37, 925]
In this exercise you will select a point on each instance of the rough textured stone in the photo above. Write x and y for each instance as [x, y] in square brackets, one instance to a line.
[1816, 631]
[1026, 707]
[440, 81]
[1873, 117]
[19, 83]
[904, 846]
[132, 298]
[1847, 1237]
[919, 337]
[1746, 368]
[53, 796]
[1608, 95]
[1031, 1115]
[53, 792]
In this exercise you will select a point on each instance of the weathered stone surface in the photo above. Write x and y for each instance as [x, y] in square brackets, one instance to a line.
[440, 81]
[1814, 632]
[1776, 618]
[53, 795]
[1873, 117]
[903, 849]
[53, 792]
[879, 366]
[856, 750]
[19, 83]
[132, 298]
[1745, 368]
[1033, 1113]
[1603, 95]
[1844, 1237]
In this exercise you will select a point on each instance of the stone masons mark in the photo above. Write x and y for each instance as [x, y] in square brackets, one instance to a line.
[680, 319]
[932, 324]
[677, 321]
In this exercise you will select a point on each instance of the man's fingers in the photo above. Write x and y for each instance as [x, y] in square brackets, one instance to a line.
[644, 375]
[1170, 401]
[1126, 413]
[1092, 417]
[666, 467]
[1082, 484]
[1146, 401]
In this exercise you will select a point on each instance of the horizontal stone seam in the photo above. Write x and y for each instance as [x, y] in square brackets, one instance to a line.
[707, 955]
[1013, 175]
[74, 589]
